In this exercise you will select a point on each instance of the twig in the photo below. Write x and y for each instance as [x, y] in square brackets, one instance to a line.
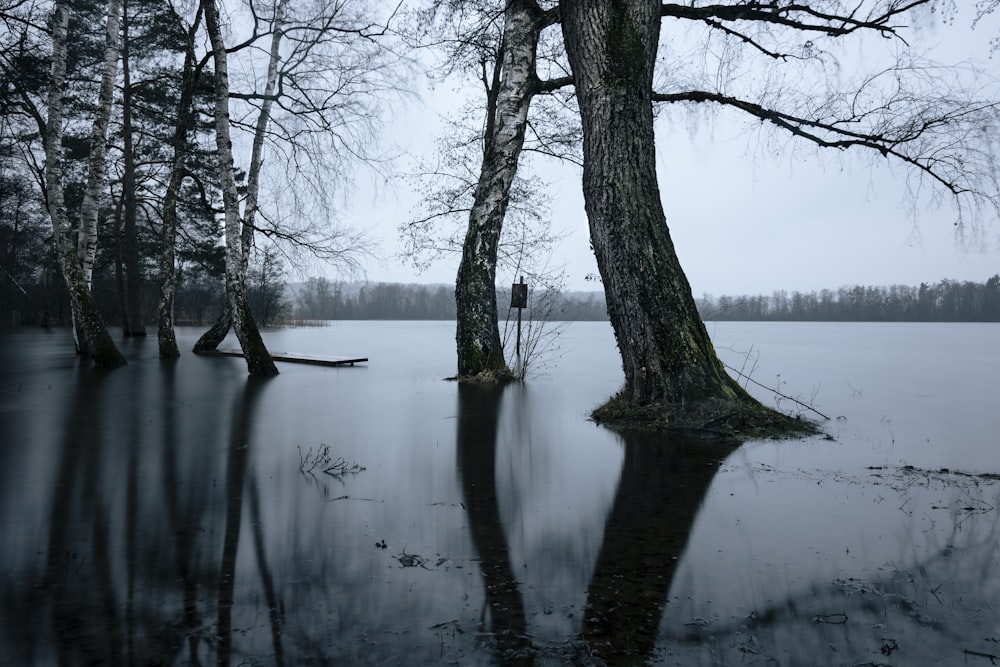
[989, 656]
[776, 392]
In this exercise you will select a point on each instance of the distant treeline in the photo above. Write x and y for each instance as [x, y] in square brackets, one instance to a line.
[946, 301]
[273, 301]
[322, 299]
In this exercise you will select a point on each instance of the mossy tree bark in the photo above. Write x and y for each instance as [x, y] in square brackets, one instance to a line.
[509, 94]
[670, 365]
[96, 339]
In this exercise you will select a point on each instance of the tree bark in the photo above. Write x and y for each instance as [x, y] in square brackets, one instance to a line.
[132, 324]
[87, 240]
[98, 342]
[259, 362]
[166, 337]
[671, 368]
[480, 351]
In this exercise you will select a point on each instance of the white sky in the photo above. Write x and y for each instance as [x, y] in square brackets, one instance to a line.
[744, 220]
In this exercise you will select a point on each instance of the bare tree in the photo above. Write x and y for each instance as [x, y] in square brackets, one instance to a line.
[672, 374]
[315, 110]
[259, 362]
[96, 339]
[183, 121]
[501, 40]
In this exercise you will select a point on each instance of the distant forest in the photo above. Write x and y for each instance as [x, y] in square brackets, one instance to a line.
[321, 299]
[945, 301]
[275, 301]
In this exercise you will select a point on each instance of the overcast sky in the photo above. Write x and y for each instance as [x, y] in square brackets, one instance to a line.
[745, 219]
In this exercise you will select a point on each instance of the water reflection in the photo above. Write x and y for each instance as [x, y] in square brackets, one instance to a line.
[663, 482]
[237, 483]
[156, 514]
[659, 493]
[476, 452]
[139, 543]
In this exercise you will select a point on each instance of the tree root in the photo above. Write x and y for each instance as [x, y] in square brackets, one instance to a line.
[498, 377]
[714, 419]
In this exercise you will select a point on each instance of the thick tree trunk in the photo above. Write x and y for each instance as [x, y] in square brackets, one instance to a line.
[98, 342]
[259, 362]
[166, 337]
[480, 351]
[671, 369]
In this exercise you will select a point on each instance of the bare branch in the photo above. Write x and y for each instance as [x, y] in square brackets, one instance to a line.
[919, 139]
[800, 16]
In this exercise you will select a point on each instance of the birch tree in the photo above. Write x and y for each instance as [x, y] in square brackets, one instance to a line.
[96, 340]
[514, 83]
[259, 362]
[183, 121]
[327, 76]
[97, 163]
[506, 60]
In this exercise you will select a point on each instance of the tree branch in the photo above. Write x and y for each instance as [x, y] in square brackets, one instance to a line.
[800, 16]
[834, 134]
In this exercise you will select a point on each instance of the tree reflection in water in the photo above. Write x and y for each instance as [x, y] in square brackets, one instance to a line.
[663, 482]
[156, 515]
[476, 451]
[133, 560]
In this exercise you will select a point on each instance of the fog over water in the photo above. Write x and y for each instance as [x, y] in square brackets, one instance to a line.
[162, 512]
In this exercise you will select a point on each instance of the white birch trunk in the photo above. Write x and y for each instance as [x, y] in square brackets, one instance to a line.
[166, 337]
[263, 118]
[477, 331]
[96, 339]
[87, 241]
[258, 359]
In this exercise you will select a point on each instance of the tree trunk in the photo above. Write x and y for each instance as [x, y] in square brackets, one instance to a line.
[672, 373]
[259, 362]
[99, 343]
[87, 241]
[480, 351]
[166, 337]
[132, 315]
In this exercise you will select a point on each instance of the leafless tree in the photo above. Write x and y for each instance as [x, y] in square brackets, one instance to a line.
[500, 42]
[915, 114]
[95, 338]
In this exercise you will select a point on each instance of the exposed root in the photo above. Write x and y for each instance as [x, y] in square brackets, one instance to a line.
[715, 419]
[499, 376]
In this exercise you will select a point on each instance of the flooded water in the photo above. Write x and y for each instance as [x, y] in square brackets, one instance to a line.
[179, 513]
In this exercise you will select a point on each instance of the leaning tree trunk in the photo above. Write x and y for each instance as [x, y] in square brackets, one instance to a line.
[671, 369]
[258, 359]
[480, 351]
[95, 334]
[166, 337]
[97, 165]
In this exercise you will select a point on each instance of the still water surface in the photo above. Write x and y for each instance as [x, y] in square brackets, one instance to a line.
[161, 513]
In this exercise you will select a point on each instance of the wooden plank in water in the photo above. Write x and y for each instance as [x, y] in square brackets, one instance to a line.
[297, 358]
